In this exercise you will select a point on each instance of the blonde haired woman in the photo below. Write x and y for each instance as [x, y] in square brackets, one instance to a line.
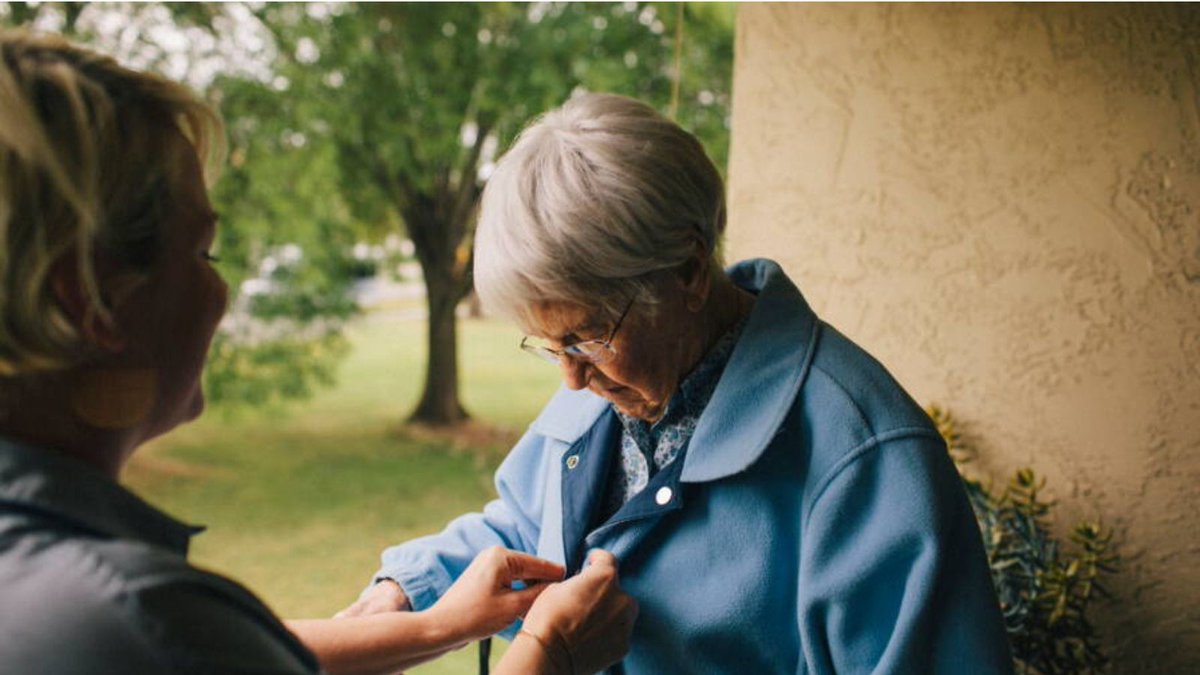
[109, 301]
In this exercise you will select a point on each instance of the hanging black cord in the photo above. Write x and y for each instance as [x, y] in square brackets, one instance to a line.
[485, 655]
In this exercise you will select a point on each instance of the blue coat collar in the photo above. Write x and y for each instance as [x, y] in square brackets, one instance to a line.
[755, 393]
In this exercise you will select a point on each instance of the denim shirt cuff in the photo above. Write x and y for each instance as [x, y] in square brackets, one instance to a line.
[421, 588]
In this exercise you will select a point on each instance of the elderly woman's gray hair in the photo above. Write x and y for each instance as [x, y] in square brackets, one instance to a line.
[591, 200]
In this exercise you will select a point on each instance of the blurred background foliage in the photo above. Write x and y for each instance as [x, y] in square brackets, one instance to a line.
[349, 123]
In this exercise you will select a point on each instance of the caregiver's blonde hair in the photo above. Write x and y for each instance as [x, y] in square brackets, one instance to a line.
[85, 171]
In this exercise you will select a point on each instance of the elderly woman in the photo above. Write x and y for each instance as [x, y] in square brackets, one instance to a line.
[109, 302]
[777, 502]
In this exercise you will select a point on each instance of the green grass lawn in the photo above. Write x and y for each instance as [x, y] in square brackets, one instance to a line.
[299, 504]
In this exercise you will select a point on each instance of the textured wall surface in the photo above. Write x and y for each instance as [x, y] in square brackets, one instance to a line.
[1002, 203]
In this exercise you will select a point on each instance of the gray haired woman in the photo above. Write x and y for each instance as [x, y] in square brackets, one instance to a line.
[777, 502]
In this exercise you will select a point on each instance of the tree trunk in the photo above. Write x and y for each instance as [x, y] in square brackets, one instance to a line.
[439, 223]
[439, 401]
[439, 243]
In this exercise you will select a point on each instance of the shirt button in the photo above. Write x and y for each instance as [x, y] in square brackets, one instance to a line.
[663, 496]
[572, 461]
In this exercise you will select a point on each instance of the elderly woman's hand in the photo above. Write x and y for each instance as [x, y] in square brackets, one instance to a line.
[385, 596]
[584, 623]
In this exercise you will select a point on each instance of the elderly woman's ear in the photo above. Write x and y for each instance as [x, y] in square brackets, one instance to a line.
[695, 278]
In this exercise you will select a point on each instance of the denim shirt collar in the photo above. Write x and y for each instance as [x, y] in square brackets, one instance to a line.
[63, 488]
[755, 393]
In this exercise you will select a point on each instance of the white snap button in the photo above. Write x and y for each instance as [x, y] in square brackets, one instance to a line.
[572, 461]
[663, 496]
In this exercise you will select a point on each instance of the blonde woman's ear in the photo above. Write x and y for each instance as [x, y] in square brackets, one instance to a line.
[91, 316]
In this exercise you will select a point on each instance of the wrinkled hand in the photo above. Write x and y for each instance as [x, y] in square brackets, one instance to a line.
[587, 615]
[385, 596]
[482, 602]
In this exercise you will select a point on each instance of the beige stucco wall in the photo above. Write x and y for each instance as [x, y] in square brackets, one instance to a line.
[1002, 203]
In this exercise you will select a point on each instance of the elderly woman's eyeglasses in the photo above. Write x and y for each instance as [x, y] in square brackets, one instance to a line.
[591, 351]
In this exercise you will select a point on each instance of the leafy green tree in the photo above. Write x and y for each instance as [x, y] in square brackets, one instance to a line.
[417, 98]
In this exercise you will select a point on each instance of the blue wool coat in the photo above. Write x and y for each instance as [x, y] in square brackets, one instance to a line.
[815, 523]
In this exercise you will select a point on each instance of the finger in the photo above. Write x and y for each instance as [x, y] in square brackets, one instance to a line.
[599, 556]
[520, 601]
[527, 567]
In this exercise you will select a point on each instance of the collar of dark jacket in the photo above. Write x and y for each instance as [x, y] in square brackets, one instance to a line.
[50, 485]
[754, 394]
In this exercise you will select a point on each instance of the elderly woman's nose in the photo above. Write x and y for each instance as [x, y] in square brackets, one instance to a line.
[574, 372]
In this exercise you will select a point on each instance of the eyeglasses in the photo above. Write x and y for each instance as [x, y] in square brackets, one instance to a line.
[591, 351]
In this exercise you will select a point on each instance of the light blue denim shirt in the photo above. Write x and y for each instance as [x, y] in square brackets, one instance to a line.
[95, 581]
[816, 523]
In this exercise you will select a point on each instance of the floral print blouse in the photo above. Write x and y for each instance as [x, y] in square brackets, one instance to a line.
[646, 448]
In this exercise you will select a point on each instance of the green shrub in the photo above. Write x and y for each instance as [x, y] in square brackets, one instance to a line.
[1044, 587]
